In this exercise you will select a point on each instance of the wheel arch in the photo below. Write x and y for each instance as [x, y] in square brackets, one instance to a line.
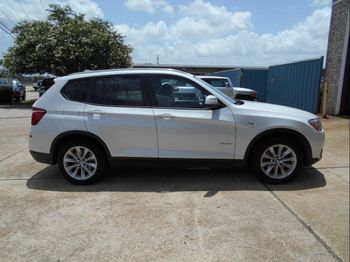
[69, 135]
[272, 133]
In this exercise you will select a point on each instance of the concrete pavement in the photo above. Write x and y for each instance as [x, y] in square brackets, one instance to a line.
[171, 214]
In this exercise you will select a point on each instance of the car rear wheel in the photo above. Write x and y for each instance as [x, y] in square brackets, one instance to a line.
[82, 162]
[276, 160]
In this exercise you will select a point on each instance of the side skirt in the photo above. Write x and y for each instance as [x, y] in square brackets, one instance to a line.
[169, 162]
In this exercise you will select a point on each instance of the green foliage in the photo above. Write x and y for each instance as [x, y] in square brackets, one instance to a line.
[66, 43]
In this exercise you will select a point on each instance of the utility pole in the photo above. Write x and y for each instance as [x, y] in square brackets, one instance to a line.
[157, 59]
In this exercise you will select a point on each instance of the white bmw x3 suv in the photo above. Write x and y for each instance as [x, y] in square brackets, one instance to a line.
[91, 120]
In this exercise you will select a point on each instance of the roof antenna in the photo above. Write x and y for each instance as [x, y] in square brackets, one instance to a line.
[157, 59]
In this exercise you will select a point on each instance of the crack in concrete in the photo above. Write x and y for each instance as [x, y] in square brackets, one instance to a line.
[15, 117]
[327, 167]
[27, 178]
[306, 226]
[13, 154]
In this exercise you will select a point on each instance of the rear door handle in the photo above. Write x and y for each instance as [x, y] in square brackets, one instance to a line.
[95, 113]
[165, 116]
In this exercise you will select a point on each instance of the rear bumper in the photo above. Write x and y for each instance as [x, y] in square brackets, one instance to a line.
[42, 157]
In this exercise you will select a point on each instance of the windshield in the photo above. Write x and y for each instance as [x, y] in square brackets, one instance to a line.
[235, 101]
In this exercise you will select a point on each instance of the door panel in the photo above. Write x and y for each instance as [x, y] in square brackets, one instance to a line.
[187, 128]
[119, 113]
[127, 132]
[195, 133]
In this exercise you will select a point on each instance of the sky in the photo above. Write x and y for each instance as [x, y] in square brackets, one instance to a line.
[200, 32]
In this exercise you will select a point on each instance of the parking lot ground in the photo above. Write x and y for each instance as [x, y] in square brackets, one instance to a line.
[31, 93]
[171, 214]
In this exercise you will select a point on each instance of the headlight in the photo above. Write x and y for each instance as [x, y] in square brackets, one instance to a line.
[316, 123]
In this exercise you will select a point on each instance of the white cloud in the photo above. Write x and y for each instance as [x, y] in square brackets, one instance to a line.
[321, 3]
[217, 15]
[207, 34]
[149, 6]
[16, 11]
[88, 7]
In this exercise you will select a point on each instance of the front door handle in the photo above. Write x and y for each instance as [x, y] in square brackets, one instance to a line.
[165, 116]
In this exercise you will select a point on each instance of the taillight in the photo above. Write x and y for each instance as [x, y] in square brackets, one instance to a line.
[37, 115]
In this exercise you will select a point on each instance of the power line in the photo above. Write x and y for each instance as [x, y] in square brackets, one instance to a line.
[4, 25]
[9, 33]
[42, 5]
[24, 11]
[8, 18]
[14, 10]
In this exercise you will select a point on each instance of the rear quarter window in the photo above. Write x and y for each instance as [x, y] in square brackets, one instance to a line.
[76, 90]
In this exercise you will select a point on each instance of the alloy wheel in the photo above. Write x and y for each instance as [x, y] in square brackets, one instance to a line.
[278, 161]
[80, 162]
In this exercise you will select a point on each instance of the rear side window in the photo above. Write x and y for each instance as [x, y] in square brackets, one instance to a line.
[76, 90]
[119, 90]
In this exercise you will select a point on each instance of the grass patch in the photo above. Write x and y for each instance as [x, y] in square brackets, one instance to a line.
[28, 102]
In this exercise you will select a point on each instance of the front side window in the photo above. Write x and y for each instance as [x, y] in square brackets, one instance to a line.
[76, 90]
[173, 91]
[119, 90]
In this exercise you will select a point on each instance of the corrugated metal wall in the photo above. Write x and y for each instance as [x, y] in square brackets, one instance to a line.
[234, 75]
[255, 79]
[295, 84]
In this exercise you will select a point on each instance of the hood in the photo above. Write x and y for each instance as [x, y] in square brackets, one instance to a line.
[276, 110]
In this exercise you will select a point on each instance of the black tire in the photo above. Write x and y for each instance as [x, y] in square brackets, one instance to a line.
[257, 154]
[17, 99]
[23, 98]
[102, 163]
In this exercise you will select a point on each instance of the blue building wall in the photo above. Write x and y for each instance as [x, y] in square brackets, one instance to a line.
[255, 79]
[295, 84]
[234, 75]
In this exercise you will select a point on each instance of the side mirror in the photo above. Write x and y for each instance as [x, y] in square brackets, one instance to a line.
[211, 101]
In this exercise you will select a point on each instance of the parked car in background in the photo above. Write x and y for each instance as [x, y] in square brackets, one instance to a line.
[37, 85]
[5, 91]
[224, 84]
[18, 90]
[45, 85]
[87, 121]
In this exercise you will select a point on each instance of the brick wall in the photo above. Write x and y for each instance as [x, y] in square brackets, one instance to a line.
[335, 50]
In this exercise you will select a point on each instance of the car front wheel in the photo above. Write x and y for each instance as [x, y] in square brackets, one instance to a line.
[82, 162]
[276, 160]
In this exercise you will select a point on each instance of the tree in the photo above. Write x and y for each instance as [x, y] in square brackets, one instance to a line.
[66, 43]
